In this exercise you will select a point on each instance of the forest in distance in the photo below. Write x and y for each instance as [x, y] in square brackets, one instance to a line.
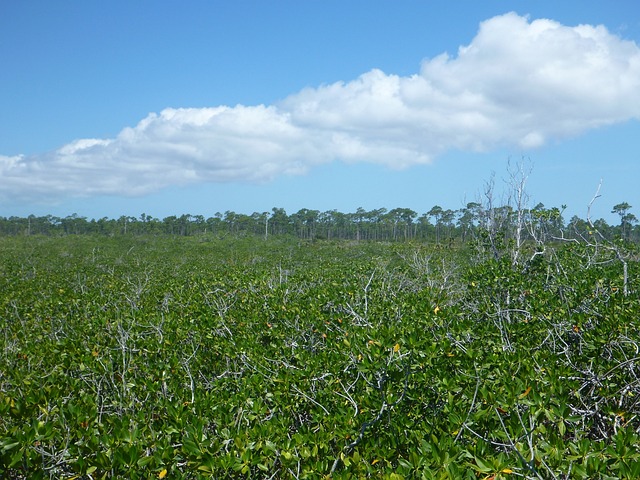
[507, 214]
[438, 225]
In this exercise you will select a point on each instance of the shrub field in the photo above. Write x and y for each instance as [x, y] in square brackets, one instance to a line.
[202, 357]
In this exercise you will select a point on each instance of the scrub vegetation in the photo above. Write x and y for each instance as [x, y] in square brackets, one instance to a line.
[209, 356]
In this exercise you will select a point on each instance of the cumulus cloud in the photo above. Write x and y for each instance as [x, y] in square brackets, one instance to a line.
[519, 83]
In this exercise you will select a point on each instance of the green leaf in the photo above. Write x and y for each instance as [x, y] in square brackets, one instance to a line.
[482, 465]
[9, 446]
[145, 461]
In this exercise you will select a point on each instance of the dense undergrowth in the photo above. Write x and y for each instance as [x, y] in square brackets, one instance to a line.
[157, 357]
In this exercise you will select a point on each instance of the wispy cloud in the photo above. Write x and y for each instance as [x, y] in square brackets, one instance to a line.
[518, 83]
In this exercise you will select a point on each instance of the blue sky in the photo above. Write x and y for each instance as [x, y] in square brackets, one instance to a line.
[119, 108]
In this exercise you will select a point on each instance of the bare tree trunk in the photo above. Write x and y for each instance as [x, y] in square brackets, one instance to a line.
[518, 175]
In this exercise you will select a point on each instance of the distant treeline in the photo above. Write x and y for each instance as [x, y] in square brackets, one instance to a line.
[438, 225]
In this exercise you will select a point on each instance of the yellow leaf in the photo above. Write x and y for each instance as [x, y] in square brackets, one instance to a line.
[163, 473]
[525, 393]
[506, 470]
[375, 461]
[396, 348]
[436, 310]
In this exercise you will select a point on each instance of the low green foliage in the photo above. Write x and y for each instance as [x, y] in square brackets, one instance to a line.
[243, 358]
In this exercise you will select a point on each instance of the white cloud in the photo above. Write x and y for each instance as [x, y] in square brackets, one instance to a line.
[518, 83]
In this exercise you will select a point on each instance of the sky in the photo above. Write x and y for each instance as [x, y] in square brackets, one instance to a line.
[166, 108]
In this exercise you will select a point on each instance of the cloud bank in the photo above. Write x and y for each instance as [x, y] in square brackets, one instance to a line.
[519, 83]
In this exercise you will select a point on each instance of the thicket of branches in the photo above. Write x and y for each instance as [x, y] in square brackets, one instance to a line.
[515, 355]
